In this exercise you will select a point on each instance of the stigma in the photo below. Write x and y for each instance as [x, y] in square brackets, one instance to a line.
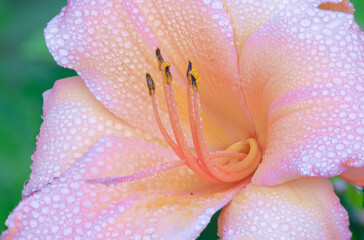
[233, 164]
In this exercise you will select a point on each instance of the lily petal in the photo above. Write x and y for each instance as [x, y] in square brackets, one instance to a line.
[305, 208]
[73, 121]
[302, 74]
[111, 45]
[174, 205]
[249, 15]
[354, 175]
[102, 44]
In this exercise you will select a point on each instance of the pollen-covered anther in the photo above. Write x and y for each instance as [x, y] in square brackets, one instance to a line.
[194, 78]
[167, 73]
[150, 84]
[159, 58]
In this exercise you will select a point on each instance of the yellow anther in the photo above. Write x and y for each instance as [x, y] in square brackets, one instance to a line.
[167, 73]
[159, 57]
[194, 78]
[150, 84]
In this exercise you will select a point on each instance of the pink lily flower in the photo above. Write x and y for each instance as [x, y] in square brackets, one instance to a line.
[251, 106]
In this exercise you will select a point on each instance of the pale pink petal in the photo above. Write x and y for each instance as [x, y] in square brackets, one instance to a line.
[305, 208]
[73, 120]
[354, 175]
[249, 15]
[174, 205]
[111, 45]
[303, 77]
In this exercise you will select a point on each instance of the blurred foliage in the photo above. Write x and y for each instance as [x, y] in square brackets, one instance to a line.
[27, 70]
[359, 12]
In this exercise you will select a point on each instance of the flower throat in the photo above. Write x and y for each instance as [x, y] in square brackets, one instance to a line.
[235, 163]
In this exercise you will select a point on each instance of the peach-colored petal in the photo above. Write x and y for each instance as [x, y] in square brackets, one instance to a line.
[302, 74]
[249, 15]
[344, 6]
[354, 175]
[111, 45]
[174, 205]
[305, 208]
[73, 121]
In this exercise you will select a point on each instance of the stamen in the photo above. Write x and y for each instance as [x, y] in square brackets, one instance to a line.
[237, 162]
[172, 111]
[150, 172]
[197, 127]
[190, 159]
[236, 169]
[191, 111]
[161, 127]
[171, 104]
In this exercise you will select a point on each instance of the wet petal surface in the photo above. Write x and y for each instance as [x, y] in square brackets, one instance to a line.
[174, 205]
[302, 74]
[249, 15]
[73, 120]
[305, 208]
[111, 45]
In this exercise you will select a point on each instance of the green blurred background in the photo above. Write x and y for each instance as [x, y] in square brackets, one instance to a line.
[27, 70]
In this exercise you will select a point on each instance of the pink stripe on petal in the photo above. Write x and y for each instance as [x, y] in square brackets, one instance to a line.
[305, 208]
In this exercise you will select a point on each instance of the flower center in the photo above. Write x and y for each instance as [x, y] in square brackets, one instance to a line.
[233, 164]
